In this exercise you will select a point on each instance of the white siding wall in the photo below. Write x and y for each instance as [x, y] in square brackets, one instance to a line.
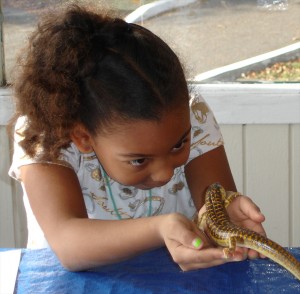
[261, 128]
[265, 161]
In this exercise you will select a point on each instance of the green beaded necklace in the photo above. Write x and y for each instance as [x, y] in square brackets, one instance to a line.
[113, 199]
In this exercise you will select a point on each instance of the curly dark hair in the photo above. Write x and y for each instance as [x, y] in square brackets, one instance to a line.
[86, 67]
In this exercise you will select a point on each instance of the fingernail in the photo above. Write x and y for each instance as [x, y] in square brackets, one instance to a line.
[197, 243]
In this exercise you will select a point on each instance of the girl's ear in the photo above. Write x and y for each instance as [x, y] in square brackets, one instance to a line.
[82, 138]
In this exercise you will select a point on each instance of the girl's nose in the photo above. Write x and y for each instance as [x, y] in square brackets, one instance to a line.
[162, 174]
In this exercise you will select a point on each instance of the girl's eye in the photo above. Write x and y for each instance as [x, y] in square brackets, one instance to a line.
[137, 162]
[179, 146]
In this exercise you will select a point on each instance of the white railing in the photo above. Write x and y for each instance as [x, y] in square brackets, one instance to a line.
[261, 128]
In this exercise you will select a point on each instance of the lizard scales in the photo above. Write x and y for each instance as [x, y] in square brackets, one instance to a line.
[224, 233]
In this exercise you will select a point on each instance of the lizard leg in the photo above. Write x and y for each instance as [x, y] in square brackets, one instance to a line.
[229, 251]
[229, 197]
[202, 221]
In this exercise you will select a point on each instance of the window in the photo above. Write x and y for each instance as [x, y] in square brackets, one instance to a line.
[205, 34]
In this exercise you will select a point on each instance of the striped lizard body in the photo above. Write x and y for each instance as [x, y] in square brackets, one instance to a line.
[216, 224]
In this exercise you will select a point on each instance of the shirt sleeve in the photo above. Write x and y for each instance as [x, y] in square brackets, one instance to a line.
[20, 158]
[205, 132]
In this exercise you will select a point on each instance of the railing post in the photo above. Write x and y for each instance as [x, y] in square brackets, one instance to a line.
[2, 61]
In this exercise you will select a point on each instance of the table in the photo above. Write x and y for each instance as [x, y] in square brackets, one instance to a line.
[153, 272]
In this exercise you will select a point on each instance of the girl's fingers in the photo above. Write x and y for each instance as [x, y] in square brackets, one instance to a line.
[250, 209]
[189, 239]
[204, 259]
[193, 237]
[210, 256]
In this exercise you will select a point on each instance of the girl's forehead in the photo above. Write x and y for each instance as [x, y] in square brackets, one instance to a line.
[144, 134]
[178, 114]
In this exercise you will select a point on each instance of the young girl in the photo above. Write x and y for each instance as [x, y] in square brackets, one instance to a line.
[113, 151]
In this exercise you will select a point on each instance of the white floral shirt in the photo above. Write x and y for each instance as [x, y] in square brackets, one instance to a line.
[124, 201]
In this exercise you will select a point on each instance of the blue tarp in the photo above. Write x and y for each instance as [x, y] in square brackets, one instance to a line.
[153, 272]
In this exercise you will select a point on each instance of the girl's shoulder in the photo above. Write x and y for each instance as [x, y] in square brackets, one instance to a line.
[205, 131]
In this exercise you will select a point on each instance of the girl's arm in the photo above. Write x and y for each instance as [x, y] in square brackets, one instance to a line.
[81, 243]
[207, 169]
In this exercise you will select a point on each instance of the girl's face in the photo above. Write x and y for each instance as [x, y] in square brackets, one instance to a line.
[144, 153]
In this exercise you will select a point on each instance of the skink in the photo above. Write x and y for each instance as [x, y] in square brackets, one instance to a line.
[217, 225]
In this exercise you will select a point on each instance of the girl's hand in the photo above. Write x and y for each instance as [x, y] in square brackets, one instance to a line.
[245, 213]
[188, 246]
